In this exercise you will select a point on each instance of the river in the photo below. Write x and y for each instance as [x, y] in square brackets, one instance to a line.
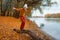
[51, 26]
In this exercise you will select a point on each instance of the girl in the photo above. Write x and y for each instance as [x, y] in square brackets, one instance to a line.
[22, 14]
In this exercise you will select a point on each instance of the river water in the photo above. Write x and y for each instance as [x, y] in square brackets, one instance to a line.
[51, 26]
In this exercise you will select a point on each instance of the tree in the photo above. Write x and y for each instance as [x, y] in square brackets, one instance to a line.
[36, 4]
[0, 7]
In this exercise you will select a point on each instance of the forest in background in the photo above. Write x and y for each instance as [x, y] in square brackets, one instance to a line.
[6, 6]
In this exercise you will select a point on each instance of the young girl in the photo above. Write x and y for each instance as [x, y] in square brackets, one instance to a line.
[22, 14]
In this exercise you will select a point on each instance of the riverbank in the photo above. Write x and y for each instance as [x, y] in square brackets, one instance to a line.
[7, 24]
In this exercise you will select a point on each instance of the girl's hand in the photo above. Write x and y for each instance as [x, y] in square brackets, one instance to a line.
[14, 8]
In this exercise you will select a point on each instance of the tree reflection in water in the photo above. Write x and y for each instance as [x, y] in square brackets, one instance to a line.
[52, 19]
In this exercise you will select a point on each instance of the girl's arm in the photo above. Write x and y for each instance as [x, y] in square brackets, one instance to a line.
[16, 9]
[28, 11]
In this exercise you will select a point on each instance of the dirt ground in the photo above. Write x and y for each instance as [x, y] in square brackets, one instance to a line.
[7, 24]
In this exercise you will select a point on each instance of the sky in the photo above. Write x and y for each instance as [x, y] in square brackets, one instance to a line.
[52, 10]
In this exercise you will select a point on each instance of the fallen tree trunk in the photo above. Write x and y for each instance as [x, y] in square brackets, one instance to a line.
[30, 33]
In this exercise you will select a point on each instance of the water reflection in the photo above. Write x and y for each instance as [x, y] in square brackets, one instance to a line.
[52, 19]
[51, 26]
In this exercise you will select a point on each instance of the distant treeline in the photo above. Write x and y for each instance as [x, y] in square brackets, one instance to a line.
[56, 15]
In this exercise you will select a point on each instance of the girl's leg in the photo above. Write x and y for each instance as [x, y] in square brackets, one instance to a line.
[23, 23]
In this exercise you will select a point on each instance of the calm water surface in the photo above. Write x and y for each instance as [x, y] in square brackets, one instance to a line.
[51, 26]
